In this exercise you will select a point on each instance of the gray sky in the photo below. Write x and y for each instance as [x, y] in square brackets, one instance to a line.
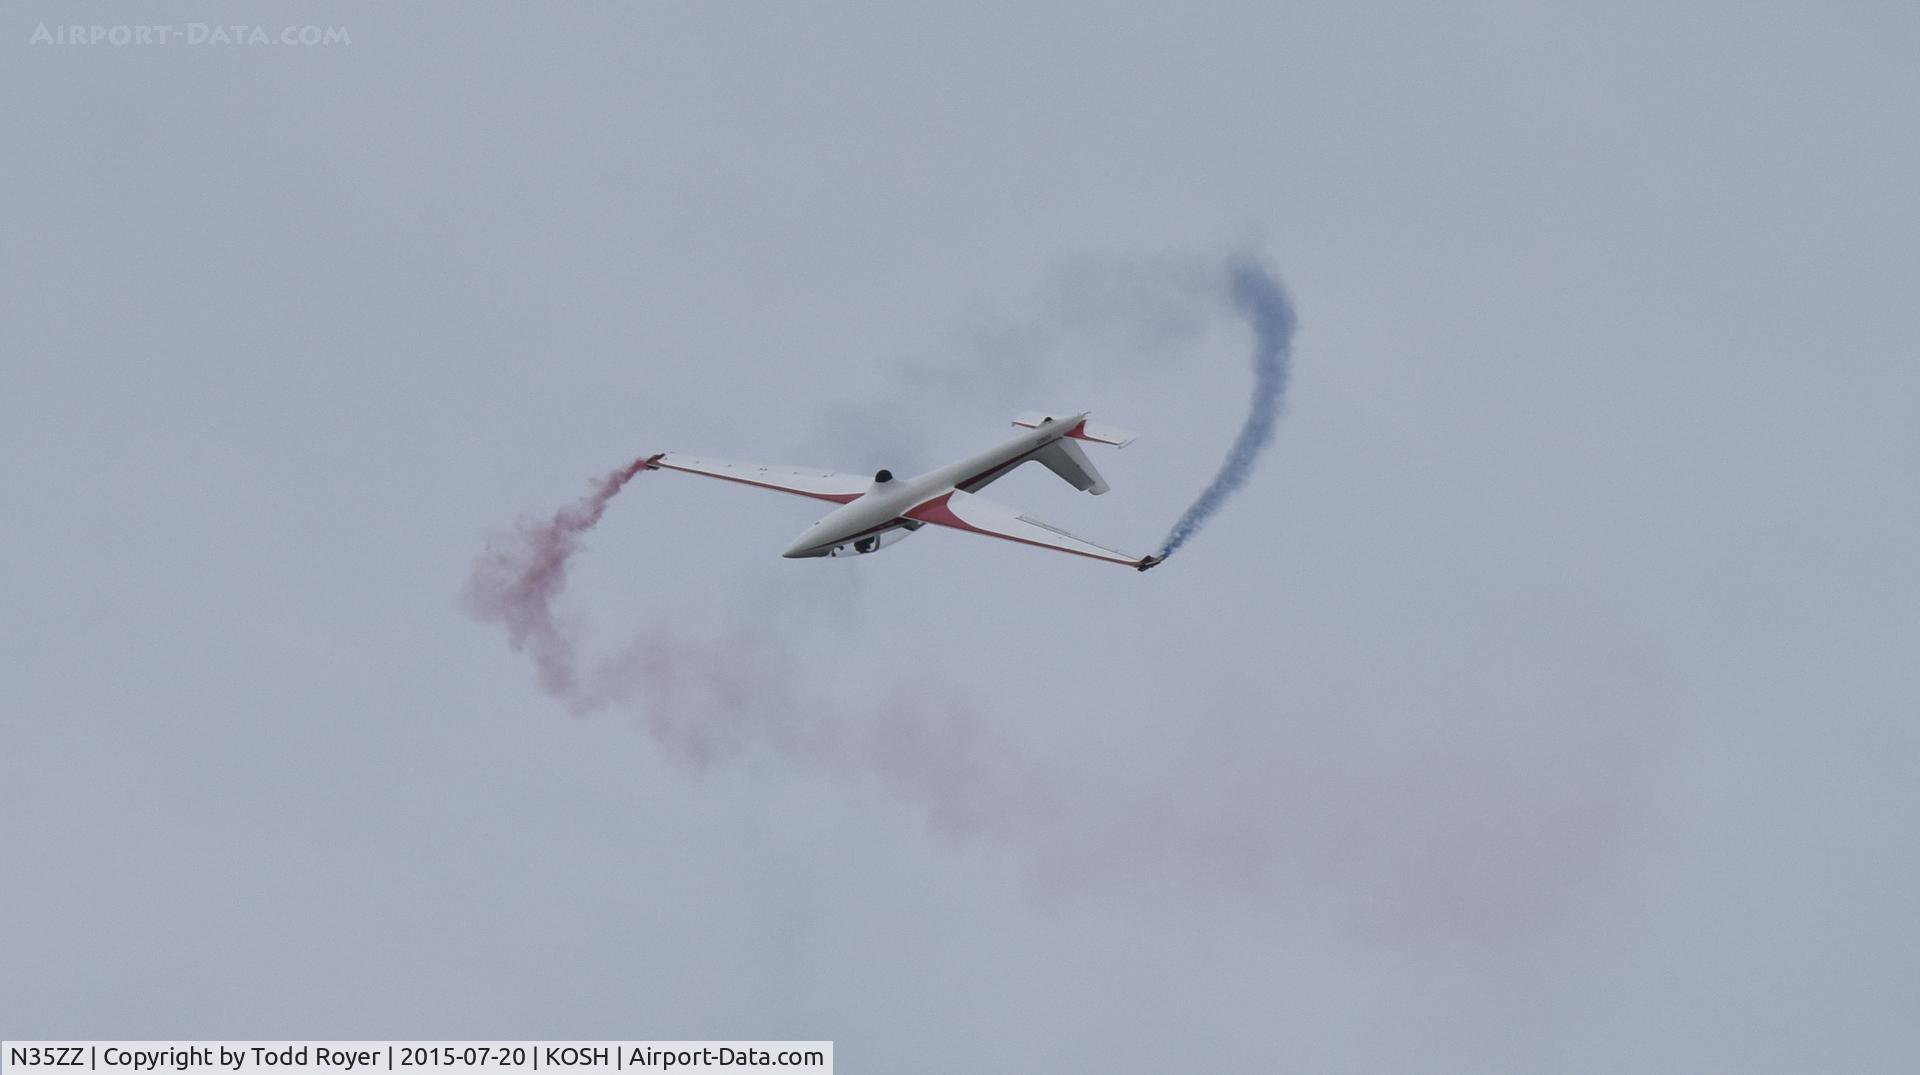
[1546, 703]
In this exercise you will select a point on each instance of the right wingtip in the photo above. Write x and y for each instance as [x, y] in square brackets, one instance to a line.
[1146, 562]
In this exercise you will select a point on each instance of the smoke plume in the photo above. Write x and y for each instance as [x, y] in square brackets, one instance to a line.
[1488, 831]
[515, 585]
[709, 701]
[1259, 298]
[705, 701]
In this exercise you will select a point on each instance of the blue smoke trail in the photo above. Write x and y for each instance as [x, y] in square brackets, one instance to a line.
[1259, 298]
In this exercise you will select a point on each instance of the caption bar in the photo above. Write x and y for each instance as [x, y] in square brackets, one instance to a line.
[356, 1057]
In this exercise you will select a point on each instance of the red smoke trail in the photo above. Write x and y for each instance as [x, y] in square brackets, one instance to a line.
[709, 701]
[516, 585]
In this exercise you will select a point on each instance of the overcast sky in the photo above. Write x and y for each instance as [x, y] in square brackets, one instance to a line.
[1547, 702]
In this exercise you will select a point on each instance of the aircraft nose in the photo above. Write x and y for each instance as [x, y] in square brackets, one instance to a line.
[800, 544]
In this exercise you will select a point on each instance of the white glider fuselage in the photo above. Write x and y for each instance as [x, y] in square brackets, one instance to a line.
[870, 514]
[883, 506]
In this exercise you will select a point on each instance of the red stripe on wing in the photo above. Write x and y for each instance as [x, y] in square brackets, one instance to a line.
[937, 512]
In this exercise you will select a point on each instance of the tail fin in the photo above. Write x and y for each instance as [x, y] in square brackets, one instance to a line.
[1068, 460]
[1085, 430]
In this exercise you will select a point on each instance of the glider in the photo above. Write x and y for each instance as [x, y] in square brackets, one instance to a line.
[880, 511]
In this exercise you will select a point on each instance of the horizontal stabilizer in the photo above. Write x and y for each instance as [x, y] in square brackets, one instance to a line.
[1092, 431]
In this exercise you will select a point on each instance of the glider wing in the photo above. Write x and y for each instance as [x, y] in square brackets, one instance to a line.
[800, 481]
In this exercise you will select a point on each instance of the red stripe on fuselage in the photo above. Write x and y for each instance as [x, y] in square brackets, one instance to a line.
[981, 478]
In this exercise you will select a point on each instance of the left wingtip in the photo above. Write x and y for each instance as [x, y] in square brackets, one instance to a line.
[1146, 562]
